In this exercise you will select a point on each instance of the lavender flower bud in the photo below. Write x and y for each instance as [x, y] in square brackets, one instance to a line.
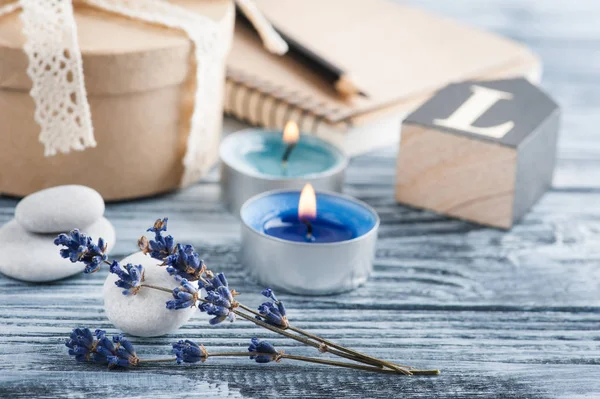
[130, 279]
[267, 351]
[185, 263]
[115, 361]
[85, 348]
[221, 297]
[80, 248]
[80, 344]
[274, 315]
[185, 296]
[161, 246]
[221, 313]
[220, 302]
[189, 352]
[124, 344]
[269, 294]
[219, 281]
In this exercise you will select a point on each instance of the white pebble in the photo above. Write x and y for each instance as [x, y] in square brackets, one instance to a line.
[59, 209]
[34, 257]
[144, 314]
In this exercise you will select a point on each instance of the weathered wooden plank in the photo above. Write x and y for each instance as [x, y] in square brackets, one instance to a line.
[504, 315]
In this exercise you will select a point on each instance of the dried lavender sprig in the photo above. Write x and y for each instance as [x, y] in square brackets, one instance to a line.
[79, 247]
[181, 260]
[320, 361]
[263, 352]
[98, 348]
[220, 315]
[120, 353]
[189, 352]
[356, 356]
[222, 308]
[348, 350]
[222, 312]
[219, 301]
[320, 341]
[274, 313]
[320, 347]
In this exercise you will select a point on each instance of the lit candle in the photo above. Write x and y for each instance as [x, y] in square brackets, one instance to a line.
[303, 225]
[291, 135]
[255, 160]
[307, 243]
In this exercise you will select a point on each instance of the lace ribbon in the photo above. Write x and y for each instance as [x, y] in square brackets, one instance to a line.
[56, 71]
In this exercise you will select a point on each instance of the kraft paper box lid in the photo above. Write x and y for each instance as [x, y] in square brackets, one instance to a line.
[120, 55]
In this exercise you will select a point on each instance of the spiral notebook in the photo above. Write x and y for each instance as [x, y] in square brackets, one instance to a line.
[399, 54]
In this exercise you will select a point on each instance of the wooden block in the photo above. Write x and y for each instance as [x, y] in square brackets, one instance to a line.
[480, 151]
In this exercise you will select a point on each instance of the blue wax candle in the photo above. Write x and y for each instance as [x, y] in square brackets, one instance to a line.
[288, 226]
[339, 218]
[276, 253]
[259, 153]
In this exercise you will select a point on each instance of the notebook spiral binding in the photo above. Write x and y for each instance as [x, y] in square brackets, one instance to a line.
[258, 102]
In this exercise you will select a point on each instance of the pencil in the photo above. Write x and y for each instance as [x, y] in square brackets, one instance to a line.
[340, 80]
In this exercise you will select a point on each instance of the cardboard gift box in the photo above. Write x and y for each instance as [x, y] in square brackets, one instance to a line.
[137, 78]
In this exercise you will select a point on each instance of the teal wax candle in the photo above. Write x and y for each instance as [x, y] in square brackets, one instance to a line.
[309, 156]
[259, 152]
[252, 163]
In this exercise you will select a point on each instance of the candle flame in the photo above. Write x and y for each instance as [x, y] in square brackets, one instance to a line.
[307, 206]
[291, 133]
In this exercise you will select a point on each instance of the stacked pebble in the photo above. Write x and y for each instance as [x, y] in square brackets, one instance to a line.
[27, 250]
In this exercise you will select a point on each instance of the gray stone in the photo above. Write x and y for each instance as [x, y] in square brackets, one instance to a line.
[144, 314]
[59, 209]
[34, 257]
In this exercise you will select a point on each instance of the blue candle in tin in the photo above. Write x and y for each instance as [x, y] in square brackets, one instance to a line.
[308, 244]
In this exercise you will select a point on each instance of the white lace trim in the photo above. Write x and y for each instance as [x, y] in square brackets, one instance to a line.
[56, 70]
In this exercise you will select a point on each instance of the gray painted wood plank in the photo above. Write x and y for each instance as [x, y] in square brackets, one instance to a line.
[503, 314]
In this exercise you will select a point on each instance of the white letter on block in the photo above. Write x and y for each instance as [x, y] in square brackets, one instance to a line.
[480, 101]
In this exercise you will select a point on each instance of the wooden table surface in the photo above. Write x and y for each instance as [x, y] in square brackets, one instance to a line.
[502, 314]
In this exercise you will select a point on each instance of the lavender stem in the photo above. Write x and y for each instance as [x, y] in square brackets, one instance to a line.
[169, 359]
[155, 287]
[357, 356]
[323, 361]
[312, 343]
[348, 350]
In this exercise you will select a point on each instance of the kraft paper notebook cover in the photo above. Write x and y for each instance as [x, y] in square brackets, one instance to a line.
[399, 55]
